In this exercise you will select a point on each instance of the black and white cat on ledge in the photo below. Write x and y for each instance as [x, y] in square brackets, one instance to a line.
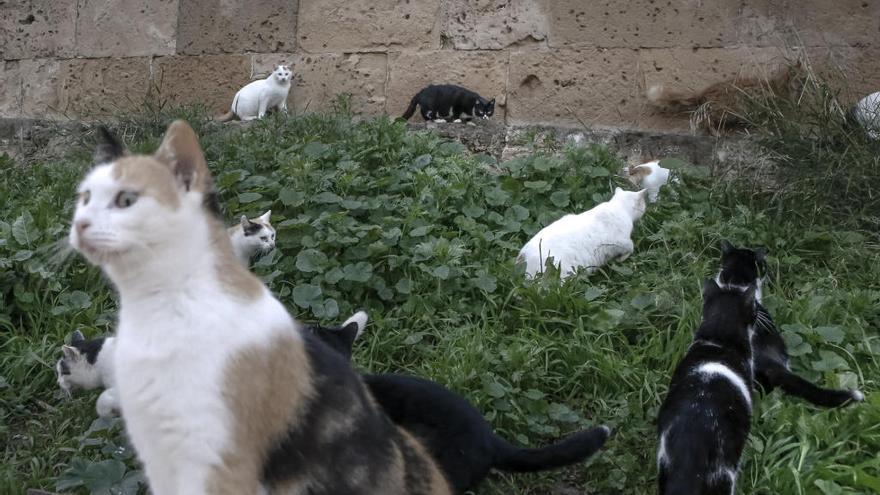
[449, 103]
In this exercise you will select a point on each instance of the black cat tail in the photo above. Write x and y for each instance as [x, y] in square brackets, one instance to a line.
[411, 109]
[794, 385]
[571, 449]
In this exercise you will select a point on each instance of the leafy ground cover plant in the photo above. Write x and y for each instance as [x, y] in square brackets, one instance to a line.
[423, 235]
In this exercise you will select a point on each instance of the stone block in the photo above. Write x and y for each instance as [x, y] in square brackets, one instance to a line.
[40, 94]
[689, 69]
[126, 28]
[693, 70]
[644, 23]
[484, 72]
[854, 70]
[224, 26]
[93, 87]
[823, 23]
[209, 79]
[592, 87]
[494, 24]
[318, 79]
[10, 89]
[37, 29]
[367, 25]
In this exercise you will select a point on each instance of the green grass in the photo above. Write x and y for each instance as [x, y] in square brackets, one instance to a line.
[418, 232]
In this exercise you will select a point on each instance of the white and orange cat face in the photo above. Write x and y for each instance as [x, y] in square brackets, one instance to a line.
[635, 202]
[131, 205]
[257, 233]
[282, 73]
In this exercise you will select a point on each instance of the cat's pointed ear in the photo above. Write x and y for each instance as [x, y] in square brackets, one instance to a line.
[109, 147]
[643, 193]
[726, 247]
[347, 335]
[76, 336]
[761, 254]
[265, 216]
[70, 352]
[181, 152]
[244, 221]
[617, 191]
[492, 102]
[359, 319]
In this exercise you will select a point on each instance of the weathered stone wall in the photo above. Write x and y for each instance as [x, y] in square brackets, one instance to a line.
[552, 62]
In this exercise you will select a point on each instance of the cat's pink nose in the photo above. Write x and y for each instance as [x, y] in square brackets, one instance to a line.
[82, 225]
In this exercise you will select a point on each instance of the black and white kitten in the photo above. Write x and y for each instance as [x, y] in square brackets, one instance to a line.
[450, 103]
[88, 364]
[454, 432]
[705, 419]
[741, 268]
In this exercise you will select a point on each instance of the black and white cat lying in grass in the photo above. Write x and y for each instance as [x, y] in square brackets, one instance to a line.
[741, 268]
[449, 103]
[453, 431]
[705, 419]
[87, 365]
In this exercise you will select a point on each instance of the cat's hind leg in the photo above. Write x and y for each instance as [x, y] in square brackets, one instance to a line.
[794, 385]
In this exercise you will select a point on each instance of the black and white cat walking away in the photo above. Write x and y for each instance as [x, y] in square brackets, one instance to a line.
[705, 419]
[450, 103]
[741, 268]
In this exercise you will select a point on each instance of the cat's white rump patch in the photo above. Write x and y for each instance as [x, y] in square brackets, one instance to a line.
[712, 368]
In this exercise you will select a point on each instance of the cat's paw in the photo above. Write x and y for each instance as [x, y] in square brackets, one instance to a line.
[456, 121]
[440, 121]
[858, 396]
[471, 122]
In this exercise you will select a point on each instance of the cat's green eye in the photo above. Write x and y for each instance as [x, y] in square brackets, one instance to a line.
[126, 198]
[85, 196]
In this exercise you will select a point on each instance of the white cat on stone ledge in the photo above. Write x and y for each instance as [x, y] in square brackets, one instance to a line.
[252, 101]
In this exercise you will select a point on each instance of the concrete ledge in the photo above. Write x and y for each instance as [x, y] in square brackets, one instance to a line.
[31, 139]
[634, 146]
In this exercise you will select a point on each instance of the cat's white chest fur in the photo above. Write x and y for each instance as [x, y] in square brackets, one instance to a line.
[170, 364]
[590, 239]
[253, 100]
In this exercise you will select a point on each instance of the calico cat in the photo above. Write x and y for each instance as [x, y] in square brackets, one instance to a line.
[449, 103]
[720, 106]
[221, 390]
[451, 429]
[741, 268]
[705, 419]
[88, 364]
[650, 176]
[249, 237]
[257, 97]
[590, 239]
